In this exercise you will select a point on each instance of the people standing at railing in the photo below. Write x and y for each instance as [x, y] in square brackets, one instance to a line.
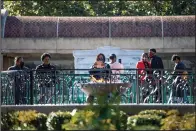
[179, 77]
[100, 72]
[157, 70]
[143, 68]
[46, 75]
[21, 89]
[116, 67]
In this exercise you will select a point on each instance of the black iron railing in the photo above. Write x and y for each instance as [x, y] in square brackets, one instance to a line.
[67, 87]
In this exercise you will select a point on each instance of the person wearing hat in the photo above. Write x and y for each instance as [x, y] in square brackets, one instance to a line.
[156, 65]
[116, 67]
[45, 73]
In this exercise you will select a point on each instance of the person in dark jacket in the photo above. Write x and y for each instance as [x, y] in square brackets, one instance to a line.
[46, 75]
[21, 87]
[156, 62]
[18, 64]
[178, 73]
[156, 66]
[45, 58]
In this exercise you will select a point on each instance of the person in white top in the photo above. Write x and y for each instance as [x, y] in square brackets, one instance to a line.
[117, 68]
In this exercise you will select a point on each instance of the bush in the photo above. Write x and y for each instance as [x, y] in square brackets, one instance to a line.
[24, 126]
[172, 121]
[138, 120]
[173, 112]
[56, 119]
[26, 116]
[8, 120]
[188, 122]
[88, 120]
[40, 121]
[30, 120]
[160, 113]
[147, 127]
[123, 120]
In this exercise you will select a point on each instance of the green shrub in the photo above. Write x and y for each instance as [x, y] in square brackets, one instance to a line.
[173, 112]
[26, 116]
[29, 120]
[123, 120]
[147, 127]
[40, 121]
[24, 126]
[170, 123]
[138, 120]
[8, 120]
[188, 122]
[88, 120]
[160, 113]
[56, 119]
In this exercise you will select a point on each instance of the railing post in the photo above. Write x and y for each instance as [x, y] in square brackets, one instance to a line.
[137, 89]
[162, 87]
[55, 81]
[31, 87]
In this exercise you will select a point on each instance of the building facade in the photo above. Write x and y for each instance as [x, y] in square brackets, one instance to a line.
[30, 36]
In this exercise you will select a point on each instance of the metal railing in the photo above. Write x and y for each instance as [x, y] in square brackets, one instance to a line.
[65, 86]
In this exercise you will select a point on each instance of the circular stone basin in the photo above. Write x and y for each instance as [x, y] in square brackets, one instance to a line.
[104, 88]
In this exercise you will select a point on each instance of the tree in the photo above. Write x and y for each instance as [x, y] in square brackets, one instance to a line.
[100, 8]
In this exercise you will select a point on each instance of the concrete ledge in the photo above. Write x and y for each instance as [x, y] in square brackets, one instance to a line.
[129, 108]
[68, 45]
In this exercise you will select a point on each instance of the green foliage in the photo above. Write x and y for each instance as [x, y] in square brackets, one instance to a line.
[99, 8]
[24, 120]
[160, 113]
[102, 117]
[8, 120]
[188, 122]
[146, 127]
[24, 126]
[26, 116]
[40, 121]
[123, 120]
[173, 112]
[172, 121]
[56, 119]
[138, 120]
[88, 120]
[31, 120]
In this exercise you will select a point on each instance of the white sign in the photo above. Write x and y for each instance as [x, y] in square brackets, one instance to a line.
[84, 59]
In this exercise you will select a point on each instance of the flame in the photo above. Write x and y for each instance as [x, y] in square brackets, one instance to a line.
[93, 79]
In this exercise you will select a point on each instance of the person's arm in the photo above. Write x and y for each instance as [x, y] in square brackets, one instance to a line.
[161, 64]
[138, 66]
[10, 68]
[122, 67]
